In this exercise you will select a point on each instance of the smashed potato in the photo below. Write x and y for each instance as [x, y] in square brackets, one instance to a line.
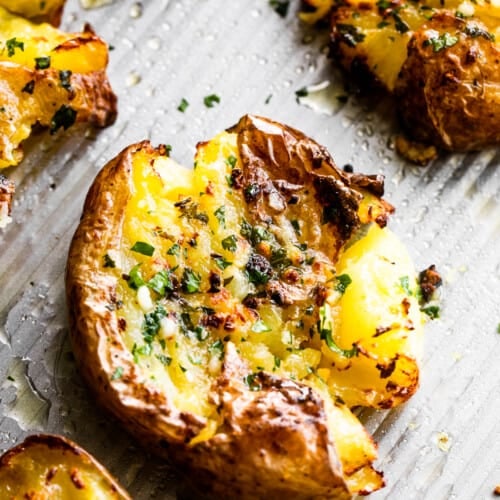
[49, 78]
[440, 59]
[230, 315]
[37, 11]
[53, 467]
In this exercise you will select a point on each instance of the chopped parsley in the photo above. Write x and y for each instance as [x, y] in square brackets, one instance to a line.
[42, 62]
[220, 261]
[280, 7]
[343, 281]
[174, 250]
[211, 100]
[220, 215]
[183, 105]
[325, 329]
[401, 26]
[443, 41]
[260, 327]
[151, 324]
[231, 161]
[12, 44]
[383, 4]
[296, 226]
[191, 281]
[64, 117]
[108, 261]
[143, 248]
[164, 360]
[161, 282]
[135, 279]
[404, 283]
[251, 383]
[277, 362]
[230, 243]
[432, 311]
[279, 259]
[474, 31]
[351, 35]
[117, 373]
[216, 348]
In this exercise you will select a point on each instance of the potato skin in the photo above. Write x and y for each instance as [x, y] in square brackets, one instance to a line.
[447, 96]
[272, 439]
[259, 466]
[451, 97]
[72, 88]
[45, 463]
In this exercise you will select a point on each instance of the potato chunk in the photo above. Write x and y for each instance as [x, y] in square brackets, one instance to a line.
[49, 78]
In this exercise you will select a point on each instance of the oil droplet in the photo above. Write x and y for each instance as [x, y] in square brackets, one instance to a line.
[135, 10]
[133, 79]
[154, 43]
[29, 408]
[323, 98]
[93, 4]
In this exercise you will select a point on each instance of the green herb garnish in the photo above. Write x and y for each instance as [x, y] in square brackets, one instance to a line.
[190, 281]
[143, 248]
[230, 243]
[135, 279]
[64, 117]
[343, 281]
[117, 373]
[161, 282]
[280, 7]
[183, 105]
[220, 215]
[441, 42]
[12, 44]
[251, 383]
[325, 329]
[108, 261]
[432, 311]
[211, 100]
[42, 62]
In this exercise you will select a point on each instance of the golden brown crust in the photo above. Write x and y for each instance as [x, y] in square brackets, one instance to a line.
[95, 333]
[281, 163]
[37, 446]
[275, 438]
[271, 441]
[451, 97]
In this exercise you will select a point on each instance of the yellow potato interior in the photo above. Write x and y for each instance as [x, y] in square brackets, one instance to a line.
[379, 37]
[186, 278]
[44, 472]
[23, 42]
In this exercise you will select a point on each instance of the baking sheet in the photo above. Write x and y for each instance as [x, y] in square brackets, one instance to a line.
[443, 444]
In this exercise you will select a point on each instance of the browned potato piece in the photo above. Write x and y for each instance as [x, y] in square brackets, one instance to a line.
[451, 97]
[53, 467]
[440, 59]
[38, 11]
[231, 314]
[49, 78]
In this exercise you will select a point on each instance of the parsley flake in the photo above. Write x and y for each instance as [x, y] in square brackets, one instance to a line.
[325, 329]
[183, 105]
[12, 44]
[191, 281]
[117, 373]
[211, 100]
[42, 62]
[143, 248]
[64, 117]
[230, 243]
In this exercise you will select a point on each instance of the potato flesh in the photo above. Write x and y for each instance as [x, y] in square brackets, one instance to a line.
[49, 10]
[30, 95]
[183, 362]
[382, 36]
[51, 473]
